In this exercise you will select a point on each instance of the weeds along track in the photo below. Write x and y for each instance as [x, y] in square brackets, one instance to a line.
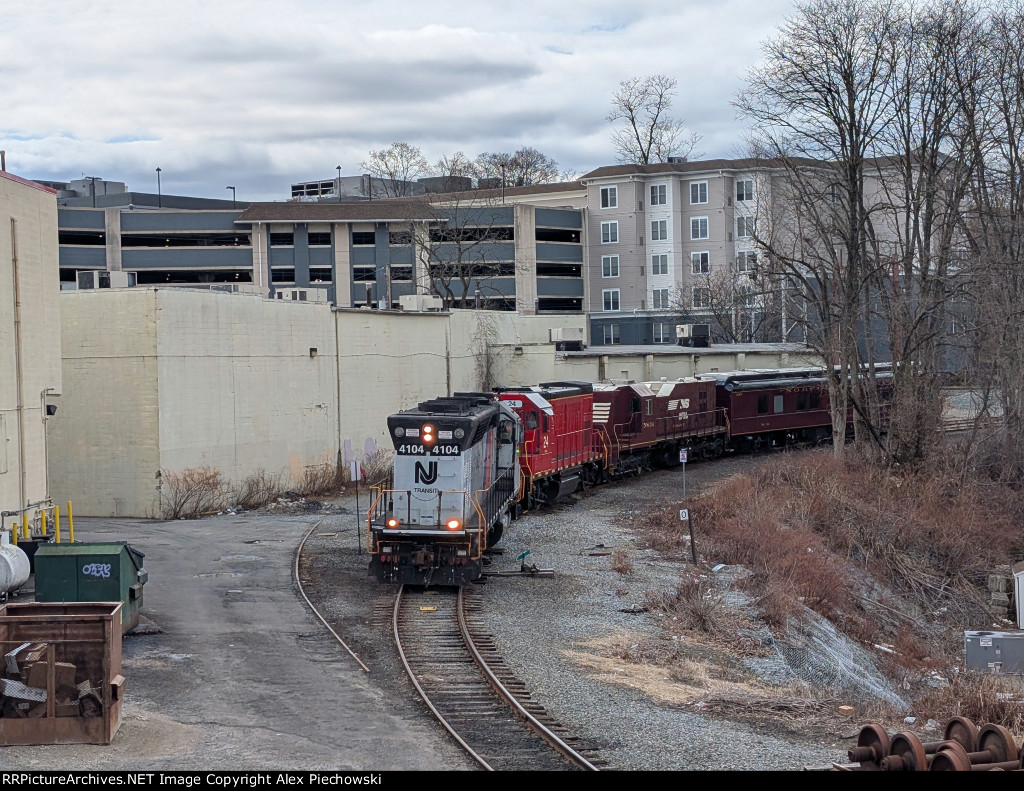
[464, 682]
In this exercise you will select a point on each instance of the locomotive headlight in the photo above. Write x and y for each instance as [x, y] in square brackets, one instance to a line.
[392, 522]
[459, 433]
[454, 524]
[399, 431]
[427, 435]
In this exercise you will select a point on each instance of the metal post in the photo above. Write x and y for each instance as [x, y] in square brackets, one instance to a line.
[232, 196]
[159, 195]
[338, 188]
[693, 542]
[71, 523]
[56, 522]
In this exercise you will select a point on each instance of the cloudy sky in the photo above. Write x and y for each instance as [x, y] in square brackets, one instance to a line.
[261, 94]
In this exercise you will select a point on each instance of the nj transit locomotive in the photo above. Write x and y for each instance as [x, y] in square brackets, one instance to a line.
[456, 482]
[466, 466]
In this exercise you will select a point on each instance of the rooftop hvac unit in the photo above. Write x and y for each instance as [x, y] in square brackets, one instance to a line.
[693, 335]
[301, 294]
[420, 302]
[87, 279]
[567, 339]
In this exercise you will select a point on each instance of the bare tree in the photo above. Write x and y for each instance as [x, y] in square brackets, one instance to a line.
[467, 249]
[395, 168]
[455, 166]
[740, 307]
[525, 167]
[647, 133]
[819, 101]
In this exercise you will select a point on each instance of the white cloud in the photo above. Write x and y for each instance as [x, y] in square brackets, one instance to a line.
[260, 94]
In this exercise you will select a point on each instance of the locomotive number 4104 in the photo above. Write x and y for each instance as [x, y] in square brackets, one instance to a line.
[410, 449]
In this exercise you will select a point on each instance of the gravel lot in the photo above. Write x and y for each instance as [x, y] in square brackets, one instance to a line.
[570, 636]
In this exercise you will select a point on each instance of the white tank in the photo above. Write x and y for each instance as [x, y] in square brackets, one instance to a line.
[14, 565]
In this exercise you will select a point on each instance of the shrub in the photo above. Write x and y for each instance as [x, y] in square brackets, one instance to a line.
[191, 493]
[319, 479]
[259, 489]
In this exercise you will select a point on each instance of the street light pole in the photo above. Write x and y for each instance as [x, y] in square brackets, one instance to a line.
[159, 196]
[338, 187]
[232, 196]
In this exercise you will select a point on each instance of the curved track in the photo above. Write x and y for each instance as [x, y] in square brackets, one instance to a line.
[463, 681]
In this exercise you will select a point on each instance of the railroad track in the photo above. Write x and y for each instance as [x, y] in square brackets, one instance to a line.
[460, 676]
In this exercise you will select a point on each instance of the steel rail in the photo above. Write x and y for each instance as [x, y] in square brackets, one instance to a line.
[316, 612]
[534, 723]
[423, 693]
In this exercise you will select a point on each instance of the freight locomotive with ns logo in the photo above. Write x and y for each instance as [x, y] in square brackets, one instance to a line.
[467, 465]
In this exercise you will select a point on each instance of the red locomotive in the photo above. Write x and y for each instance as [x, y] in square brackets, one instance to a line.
[569, 435]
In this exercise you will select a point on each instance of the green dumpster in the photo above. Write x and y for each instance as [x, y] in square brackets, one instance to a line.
[98, 571]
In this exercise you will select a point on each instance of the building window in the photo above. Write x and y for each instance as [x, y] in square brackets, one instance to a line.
[746, 262]
[609, 266]
[319, 239]
[659, 299]
[662, 332]
[744, 227]
[659, 264]
[609, 197]
[659, 195]
[364, 237]
[698, 192]
[282, 239]
[698, 227]
[700, 263]
[833, 193]
[659, 230]
[610, 333]
[609, 232]
[610, 297]
[745, 189]
[320, 274]
[701, 297]
[399, 238]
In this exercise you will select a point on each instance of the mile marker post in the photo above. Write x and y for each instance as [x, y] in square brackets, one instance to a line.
[684, 514]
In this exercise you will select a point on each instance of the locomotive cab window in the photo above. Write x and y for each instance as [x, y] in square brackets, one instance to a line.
[506, 434]
[815, 400]
[648, 406]
[779, 405]
[634, 405]
[547, 425]
[530, 420]
[762, 404]
[801, 400]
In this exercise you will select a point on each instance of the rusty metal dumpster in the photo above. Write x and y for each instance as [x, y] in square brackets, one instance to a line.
[60, 679]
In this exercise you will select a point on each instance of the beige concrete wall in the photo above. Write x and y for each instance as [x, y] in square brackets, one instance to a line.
[104, 449]
[163, 380]
[387, 362]
[240, 389]
[30, 351]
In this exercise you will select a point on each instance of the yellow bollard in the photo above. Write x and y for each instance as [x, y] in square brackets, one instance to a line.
[71, 523]
[42, 520]
[56, 522]
[14, 534]
[24, 526]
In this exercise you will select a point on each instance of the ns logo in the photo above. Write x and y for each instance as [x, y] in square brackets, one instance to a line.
[426, 474]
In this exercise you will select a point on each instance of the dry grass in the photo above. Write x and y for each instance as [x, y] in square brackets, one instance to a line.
[259, 489]
[320, 480]
[192, 493]
[621, 562]
[980, 697]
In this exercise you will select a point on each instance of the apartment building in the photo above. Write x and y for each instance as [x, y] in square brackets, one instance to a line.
[662, 237]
